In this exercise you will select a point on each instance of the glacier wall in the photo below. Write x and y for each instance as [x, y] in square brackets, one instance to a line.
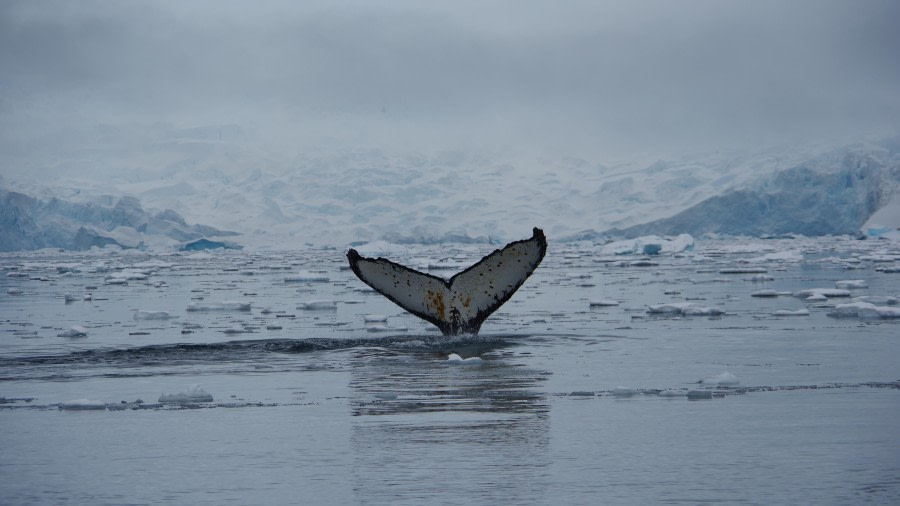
[28, 223]
[834, 194]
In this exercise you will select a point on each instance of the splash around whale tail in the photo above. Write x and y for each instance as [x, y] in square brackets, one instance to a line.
[461, 304]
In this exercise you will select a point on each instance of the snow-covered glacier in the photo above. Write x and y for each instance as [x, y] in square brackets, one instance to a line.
[334, 198]
[830, 195]
[28, 223]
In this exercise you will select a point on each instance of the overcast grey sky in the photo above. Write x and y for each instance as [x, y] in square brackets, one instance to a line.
[592, 77]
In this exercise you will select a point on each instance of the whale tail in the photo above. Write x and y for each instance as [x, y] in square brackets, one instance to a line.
[461, 304]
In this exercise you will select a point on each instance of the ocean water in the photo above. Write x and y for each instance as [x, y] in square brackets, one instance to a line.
[571, 403]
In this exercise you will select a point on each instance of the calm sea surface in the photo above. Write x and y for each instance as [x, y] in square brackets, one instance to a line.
[571, 404]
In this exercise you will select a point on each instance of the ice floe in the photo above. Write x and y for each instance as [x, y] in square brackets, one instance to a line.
[219, 306]
[194, 394]
[75, 331]
[878, 300]
[787, 312]
[685, 308]
[455, 359]
[822, 293]
[864, 310]
[141, 314]
[318, 305]
[850, 284]
[743, 270]
[649, 245]
[603, 302]
[722, 379]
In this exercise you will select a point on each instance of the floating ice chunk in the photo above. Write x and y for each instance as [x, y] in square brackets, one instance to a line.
[116, 281]
[194, 394]
[822, 292]
[760, 278]
[82, 405]
[765, 293]
[865, 310]
[141, 314]
[723, 379]
[318, 305]
[14, 291]
[743, 270]
[306, 277]
[685, 308]
[582, 393]
[624, 392]
[372, 318]
[649, 245]
[75, 331]
[603, 302]
[219, 306]
[699, 394]
[702, 311]
[878, 300]
[672, 307]
[71, 297]
[455, 359]
[849, 284]
[787, 312]
[672, 393]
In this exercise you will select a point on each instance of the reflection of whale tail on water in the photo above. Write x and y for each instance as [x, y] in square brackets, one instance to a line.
[461, 304]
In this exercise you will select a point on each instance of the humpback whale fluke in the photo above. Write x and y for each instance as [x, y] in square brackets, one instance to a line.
[461, 304]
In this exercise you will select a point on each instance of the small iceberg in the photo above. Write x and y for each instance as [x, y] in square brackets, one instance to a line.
[603, 303]
[75, 331]
[194, 394]
[787, 312]
[765, 293]
[140, 314]
[850, 284]
[723, 379]
[878, 300]
[686, 309]
[455, 359]
[819, 293]
[315, 305]
[624, 392]
[864, 310]
[375, 318]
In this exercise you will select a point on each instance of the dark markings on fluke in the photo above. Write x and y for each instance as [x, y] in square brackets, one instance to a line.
[461, 304]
